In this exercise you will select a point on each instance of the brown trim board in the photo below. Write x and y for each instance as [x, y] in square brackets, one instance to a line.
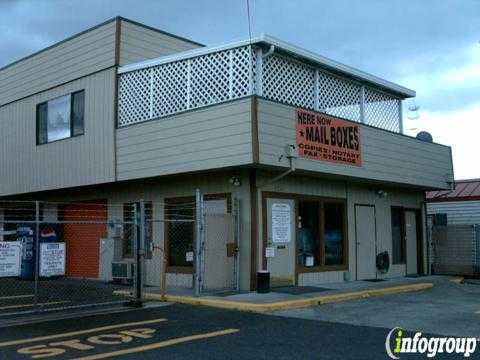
[255, 143]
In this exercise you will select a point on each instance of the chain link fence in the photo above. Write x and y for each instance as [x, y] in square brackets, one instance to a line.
[456, 249]
[61, 255]
[197, 243]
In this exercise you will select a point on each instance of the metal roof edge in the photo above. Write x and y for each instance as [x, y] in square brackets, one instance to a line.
[284, 46]
[337, 66]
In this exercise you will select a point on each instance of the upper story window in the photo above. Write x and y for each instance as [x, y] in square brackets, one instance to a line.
[61, 118]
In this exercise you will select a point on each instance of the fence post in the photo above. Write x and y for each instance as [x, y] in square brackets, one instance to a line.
[37, 251]
[198, 241]
[141, 247]
[136, 256]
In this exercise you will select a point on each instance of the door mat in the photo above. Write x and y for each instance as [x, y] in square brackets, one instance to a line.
[374, 280]
[298, 290]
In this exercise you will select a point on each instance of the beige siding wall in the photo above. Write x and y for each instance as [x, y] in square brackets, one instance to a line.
[355, 194]
[386, 156]
[209, 138]
[157, 192]
[80, 56]
[87, 159]
[138, 43]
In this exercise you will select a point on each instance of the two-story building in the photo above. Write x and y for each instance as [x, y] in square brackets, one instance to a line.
[325, 177]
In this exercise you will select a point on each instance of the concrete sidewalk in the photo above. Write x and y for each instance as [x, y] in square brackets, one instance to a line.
[297, 297]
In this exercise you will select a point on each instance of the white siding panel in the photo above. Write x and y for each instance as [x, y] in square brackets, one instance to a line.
[458, 212]
[214, 137]
[138, 43]
[87, 53]
[83, 160]
[386, 156]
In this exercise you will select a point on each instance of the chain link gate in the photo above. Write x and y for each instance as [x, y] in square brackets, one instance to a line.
[217, 245]
[57, 256]
[456, 249]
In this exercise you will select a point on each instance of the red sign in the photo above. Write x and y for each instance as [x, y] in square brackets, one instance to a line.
[327, 138]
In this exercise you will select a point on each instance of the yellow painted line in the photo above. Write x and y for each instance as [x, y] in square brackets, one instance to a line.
[159, 345]
[31, 305]
[290, 304]
[80, 332]
[16, 297]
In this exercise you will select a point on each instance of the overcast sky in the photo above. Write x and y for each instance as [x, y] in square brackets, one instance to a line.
[431, 46]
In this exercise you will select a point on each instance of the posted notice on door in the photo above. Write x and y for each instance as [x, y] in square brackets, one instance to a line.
[52, 259]
[281, 223]
[326, 138]
[10, 258]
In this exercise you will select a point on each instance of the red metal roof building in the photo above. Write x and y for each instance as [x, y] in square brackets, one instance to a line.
[464, 190]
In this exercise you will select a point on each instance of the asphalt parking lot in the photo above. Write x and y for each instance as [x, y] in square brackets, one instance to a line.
[187, 332]
[448, 308]
[348, 330]
[17, 295]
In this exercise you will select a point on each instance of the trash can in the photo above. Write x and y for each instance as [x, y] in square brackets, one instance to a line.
[263, 282]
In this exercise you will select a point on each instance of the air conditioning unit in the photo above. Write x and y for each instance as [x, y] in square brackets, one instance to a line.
[123, 270]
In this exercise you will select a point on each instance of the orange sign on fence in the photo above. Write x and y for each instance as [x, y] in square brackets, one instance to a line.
[326, 138]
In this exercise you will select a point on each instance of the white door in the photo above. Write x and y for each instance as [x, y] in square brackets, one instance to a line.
[218, 267]
[366, 238]
[280, 249]
[411, 241]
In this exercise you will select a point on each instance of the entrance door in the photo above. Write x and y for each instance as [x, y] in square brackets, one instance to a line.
[218, 267]
[280, 249]
[411, 241]
[366, 238]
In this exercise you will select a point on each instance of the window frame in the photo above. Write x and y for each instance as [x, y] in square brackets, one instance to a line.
[403, 243]
[299, 269]
[72, 135]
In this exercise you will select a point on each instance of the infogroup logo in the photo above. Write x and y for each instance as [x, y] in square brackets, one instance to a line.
[398, 343]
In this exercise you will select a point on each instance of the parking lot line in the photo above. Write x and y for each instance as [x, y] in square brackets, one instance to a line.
[31, 305]
[79, 332]
[159, 345]
[16, 297]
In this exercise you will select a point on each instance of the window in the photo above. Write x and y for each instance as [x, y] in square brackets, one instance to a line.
[180, 234]
[129, 232]
[398, 240]
[308, 233]
[334, 233]
[61, 118]
[321, 234]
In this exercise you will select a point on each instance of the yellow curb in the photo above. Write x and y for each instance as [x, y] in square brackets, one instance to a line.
[457, 280]
[289, 304]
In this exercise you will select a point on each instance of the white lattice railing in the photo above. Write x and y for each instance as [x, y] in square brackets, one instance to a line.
[213, 78]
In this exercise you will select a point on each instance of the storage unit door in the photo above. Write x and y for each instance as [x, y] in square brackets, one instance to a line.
[366, 242]
[83, 239]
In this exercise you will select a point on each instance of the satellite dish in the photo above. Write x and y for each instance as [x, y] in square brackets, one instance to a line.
[424, 136]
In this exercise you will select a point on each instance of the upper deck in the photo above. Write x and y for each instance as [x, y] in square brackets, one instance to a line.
[265, 67]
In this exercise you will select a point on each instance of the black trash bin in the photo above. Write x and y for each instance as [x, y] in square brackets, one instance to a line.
[263, 282]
